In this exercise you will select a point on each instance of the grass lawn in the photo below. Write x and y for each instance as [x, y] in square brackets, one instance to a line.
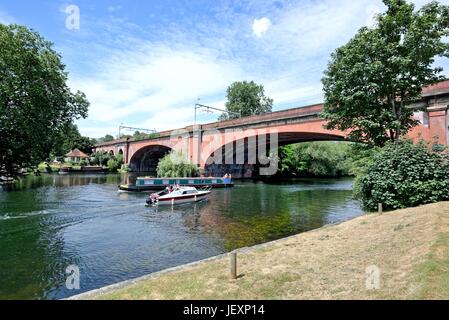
[410, 247]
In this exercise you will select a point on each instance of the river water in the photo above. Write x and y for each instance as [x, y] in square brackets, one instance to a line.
[51, 222]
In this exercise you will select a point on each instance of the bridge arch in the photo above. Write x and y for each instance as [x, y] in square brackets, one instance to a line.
[147, 158]
[241, 157]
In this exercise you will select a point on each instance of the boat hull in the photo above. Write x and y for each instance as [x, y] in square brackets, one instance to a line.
[181, 200]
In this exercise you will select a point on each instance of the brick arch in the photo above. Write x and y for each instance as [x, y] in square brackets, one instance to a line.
[286, 133]
[147, 158]
[241, 155]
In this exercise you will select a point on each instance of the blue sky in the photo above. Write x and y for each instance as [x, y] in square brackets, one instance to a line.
[146, 63]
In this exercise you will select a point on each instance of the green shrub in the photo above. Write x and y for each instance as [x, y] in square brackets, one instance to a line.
[176, 164]
[125, 168]
[119, 159]
[113, 165]
[101, 158]
[402, 176]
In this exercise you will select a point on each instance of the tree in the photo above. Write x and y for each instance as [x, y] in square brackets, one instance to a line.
[106, 138]
[113, 165]
[175, 164]
[370, 80]
[35, 100]
[247, 99]
[322, 159]
[69, 138]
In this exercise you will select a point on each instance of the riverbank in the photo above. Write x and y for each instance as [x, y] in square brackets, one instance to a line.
[410, 247]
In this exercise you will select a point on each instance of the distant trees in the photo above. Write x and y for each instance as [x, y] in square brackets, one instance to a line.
[36, 104]
[371, 79]
[102, 158]
[106, 138]
[319, 159]
[247, 99]
[324, 159]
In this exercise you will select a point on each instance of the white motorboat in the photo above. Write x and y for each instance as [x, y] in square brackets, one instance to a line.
[178, 195]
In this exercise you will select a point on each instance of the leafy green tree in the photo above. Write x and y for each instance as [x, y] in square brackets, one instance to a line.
[35, 100]
[69, 138]
[140, 136]
[175, 164]
[113, 165]
[106, 138]
[247, 99]
[119, 159]
[320, 159]
[100, 158]
[371, 79]
[405, 175]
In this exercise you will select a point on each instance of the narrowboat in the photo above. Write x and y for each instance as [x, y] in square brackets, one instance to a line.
[145, 183]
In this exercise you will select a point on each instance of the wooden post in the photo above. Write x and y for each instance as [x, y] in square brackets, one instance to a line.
[380, 208]
[234, 265]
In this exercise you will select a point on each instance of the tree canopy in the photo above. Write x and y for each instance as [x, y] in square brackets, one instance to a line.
[106, 138]
[370, 80]
[246, 99]
[70, 138]
[35, 100]
[176, 164]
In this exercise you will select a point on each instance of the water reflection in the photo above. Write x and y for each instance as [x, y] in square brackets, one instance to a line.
[50, 222]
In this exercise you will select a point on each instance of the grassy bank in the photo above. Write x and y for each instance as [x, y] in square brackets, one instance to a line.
[410, 247]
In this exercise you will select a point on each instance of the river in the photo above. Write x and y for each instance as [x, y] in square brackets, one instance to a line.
[51, 222]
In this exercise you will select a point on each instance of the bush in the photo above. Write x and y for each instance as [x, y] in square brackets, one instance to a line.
[175, 164]
[113, 165]
[100, 158]
[119, 159]
[402, 176]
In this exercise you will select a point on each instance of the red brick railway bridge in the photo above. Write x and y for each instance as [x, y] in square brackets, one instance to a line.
[237, 145]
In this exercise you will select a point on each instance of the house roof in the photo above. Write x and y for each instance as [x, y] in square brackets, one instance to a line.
[76, 153]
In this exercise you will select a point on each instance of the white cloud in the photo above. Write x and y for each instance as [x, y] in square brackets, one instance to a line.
[261, 26]
[157, 79]
[304, 94]
[114, 8]
[153, 83]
